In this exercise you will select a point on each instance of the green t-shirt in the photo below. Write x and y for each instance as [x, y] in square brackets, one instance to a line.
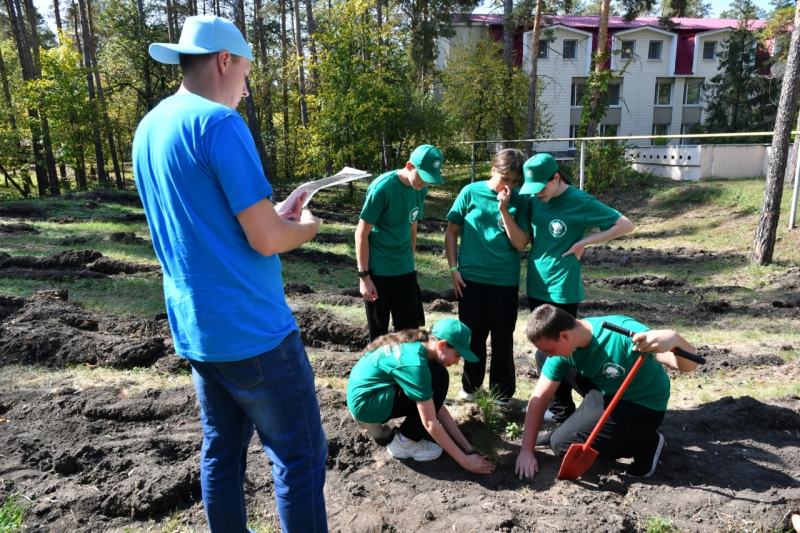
[370, 390]
[607, 360]
[555, 226]
[391, 207]
[486, 254]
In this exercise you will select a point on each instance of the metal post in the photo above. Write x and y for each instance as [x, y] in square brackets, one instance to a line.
[473, 164]
[583, 161]
[794, 192]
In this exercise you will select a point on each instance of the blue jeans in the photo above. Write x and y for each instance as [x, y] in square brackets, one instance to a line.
[272, 393]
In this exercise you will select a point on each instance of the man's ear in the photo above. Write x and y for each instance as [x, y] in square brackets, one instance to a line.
[441, 344]
[564, 336]
[224, 60]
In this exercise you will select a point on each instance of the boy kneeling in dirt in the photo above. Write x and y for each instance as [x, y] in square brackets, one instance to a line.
[405, 375]
[595, 361]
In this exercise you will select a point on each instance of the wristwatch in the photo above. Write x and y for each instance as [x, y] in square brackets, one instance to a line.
[364, 273]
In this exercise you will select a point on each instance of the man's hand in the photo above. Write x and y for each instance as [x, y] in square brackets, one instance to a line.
[478, 464]
[368, 290]
[527, 466]
[307, 218]
[458, 282]
[503, 197]
[294, 213]
[655, 341]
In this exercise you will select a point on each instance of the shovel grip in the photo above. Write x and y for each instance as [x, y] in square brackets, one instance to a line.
[677, 351]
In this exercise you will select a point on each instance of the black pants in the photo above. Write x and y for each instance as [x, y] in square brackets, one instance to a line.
[630, 428]
[412, 428]
[572, 309]
[396, 295]
[489, 309]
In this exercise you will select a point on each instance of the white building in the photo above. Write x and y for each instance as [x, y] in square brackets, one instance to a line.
[660, 91]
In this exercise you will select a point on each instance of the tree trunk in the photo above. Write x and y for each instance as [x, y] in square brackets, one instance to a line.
[602, 37]
[9, 179]
[171, 33]
[530, 126]
[148, 84]
[14, 11]
[767, 228]
[387, 152]
[301, 75]
[87, 61]
[285, 85]
[312, 45]
[508, 57]
[252, 119]
[262, 52]
[58, 18]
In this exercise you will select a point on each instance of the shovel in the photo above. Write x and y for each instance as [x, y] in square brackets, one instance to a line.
[580, 457]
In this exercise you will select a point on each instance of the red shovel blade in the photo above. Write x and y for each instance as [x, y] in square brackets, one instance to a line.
[578, 460]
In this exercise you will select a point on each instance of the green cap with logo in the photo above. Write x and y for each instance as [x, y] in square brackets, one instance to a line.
[428, 160]
[537, 172]
[457, 335]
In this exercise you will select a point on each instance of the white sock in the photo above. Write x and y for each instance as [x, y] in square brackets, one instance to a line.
[402, 437]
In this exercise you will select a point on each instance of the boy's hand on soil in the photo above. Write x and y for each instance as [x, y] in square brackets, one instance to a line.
[654, 341]
[576, 249]
[478, 464]
[368, 290]
[458, 282]
[527, 466]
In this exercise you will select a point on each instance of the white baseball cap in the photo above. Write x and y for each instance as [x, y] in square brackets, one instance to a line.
[203, 34]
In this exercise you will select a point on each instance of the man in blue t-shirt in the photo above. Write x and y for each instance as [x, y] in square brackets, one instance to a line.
[218, 236]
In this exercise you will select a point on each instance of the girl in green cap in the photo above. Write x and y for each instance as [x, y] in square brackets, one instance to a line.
[560, 215]
[492, 219]
[405, 375]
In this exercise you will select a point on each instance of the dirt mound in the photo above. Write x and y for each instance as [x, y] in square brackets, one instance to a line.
[110, 196]
[73, 241]
[334, 364]
[628, 256]
[333, 238]
[70, 263]
[21, 211]
[16, 229]
[432, 225]
[319, 329]
[431, 248]
[126, 237]
[726, 359]
[429, 296]
[320, 258]
[54, 333]
[644, 283]
[442, 306]
[704, 311]
[295, 288]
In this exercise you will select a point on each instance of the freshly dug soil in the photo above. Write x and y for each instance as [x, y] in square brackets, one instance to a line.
[96, 460]
[20, 228]
[727, 359]
[641, 255]
[126, 237]
[319, 329]
[432, 225]
[317, 257]
[70, 263]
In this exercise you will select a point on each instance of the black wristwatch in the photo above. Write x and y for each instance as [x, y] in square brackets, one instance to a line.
[364, 273]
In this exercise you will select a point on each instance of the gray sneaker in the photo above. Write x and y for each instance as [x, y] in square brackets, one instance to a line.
[420, 450]
[376, 431]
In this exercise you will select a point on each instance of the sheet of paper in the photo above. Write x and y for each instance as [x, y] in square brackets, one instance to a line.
[345, 175]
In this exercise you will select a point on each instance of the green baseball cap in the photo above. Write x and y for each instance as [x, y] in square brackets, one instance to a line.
[428, 160]
[457, 335]
[537, 171]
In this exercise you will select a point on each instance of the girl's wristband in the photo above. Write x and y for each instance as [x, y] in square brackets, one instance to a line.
[453, 268]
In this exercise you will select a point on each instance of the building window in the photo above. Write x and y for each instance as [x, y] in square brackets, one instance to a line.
[688, 129]
[573, 132]
[570, 49]
[608, 130]
[710, 50]
[654, 51]
[628, 48]
[663, 94]
[692, 93]
[543, 49]
[578, 90]
[614, 92]
[660, 129]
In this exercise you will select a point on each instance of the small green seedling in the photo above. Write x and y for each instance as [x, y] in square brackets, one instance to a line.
[491, 413]
[513, 431]
[661, 524]
[12, 512]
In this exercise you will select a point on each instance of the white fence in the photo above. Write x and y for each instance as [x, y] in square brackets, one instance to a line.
[703, 161]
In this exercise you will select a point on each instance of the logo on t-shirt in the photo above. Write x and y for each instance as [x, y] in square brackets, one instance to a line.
[613, 371]
[413, 215]
[557, 228]
[501, 224]
[392, 350]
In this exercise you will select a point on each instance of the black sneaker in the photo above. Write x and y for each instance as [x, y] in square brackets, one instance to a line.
[646, 461]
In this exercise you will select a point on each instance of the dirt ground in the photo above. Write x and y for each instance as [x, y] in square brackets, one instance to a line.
[98, 460]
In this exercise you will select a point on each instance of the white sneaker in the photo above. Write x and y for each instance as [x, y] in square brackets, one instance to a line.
[422, 450]
[548, 414]
[464, 395]
[376, 431]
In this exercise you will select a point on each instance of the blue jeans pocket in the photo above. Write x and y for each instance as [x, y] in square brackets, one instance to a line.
[244, 374]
